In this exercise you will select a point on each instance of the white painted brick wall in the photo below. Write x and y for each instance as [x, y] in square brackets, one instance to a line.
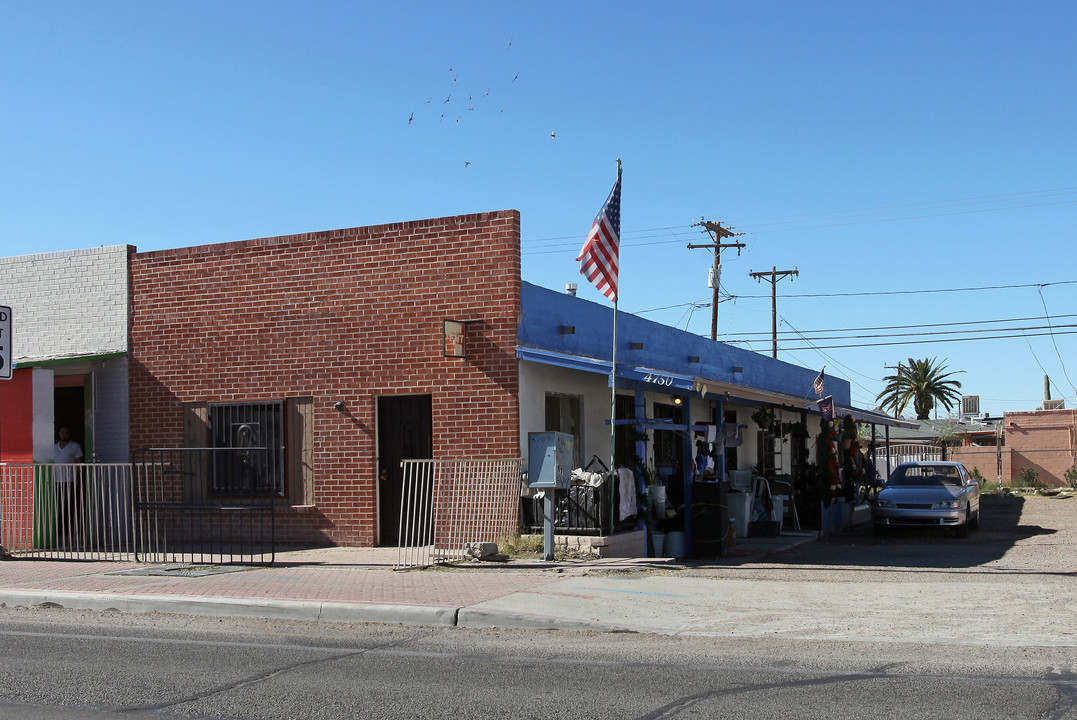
[66, 304]
[110, 421]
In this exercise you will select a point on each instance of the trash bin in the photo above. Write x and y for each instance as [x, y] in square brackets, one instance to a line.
[710, 519]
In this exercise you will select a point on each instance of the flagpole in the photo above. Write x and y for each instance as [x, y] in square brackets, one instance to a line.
[613, 417]
[613, 385]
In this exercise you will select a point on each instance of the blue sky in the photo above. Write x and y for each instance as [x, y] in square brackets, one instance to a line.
[877, 148]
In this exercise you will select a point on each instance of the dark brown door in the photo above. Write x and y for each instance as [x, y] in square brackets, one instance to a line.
[405, 432]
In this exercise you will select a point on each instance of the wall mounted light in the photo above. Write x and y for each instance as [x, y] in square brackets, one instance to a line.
[338, 406]
[738, 369]
[693, 358]
[635, 346]
[568, 329]
[677, 401]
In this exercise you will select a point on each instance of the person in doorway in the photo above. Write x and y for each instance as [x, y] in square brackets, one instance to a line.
[68, 484]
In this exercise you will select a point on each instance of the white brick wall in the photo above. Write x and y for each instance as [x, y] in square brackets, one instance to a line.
[110, 404]
[66, 304]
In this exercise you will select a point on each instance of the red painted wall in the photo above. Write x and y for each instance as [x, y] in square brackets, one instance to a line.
[344, 315]
[17, 417]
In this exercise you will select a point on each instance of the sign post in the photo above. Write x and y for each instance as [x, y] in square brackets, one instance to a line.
[5, 342]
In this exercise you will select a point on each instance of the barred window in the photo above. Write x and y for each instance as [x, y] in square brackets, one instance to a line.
[247, 443]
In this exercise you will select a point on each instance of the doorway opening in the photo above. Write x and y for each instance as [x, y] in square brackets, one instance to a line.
[405, 432]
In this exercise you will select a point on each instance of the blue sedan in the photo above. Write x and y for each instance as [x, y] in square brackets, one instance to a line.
[928, 494]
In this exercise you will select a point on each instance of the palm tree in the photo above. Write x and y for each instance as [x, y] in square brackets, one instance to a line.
[924, 383]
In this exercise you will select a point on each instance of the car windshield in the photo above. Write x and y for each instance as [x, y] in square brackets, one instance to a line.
[925, 475]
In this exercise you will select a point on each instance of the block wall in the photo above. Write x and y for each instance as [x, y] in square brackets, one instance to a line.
[1043, 441]
[66, 304]
[346, 315]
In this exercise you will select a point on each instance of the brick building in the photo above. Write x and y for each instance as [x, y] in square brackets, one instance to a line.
[69, 346]
[339, 333]
[1042, 440]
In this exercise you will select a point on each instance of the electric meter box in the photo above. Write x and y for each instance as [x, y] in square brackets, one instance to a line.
[549, 460]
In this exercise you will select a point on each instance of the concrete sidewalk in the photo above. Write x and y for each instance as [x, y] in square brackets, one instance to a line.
[360, 585]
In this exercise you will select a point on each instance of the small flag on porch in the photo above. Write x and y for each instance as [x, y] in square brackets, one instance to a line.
[599, 255]
[826, 406]
[817, 386]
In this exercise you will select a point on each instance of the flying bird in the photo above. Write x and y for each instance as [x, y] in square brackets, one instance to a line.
[411, 118]
[447, 99]
[517, 75]
[466, 163]
[510, 43]
[553, 134]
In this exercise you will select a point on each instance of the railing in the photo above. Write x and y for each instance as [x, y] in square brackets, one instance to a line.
[67, 511]
[447, 505]
[579, 510]
[199, 505]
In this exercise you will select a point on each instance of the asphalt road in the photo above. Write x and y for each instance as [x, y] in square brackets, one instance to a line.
[916, 625]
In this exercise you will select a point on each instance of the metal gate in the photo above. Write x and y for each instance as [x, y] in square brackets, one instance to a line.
[448, 504]
[205, 505]
[903, 454]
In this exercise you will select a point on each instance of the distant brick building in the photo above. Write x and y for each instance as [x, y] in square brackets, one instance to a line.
[1042, 440]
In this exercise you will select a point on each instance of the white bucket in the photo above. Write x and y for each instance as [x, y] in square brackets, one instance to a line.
[674, 544]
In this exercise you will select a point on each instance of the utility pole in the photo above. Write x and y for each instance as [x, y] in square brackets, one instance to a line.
[774, 276]
[718, 233]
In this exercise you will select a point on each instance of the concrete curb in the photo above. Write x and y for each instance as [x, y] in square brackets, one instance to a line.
[478, 618]
[386, 614]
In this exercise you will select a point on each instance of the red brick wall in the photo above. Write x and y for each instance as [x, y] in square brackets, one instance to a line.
[344, 315]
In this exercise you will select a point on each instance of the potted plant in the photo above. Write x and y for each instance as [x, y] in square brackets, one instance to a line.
[764, 418]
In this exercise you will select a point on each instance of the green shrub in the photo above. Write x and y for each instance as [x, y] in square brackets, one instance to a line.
[1070, 475]
[1029, 478]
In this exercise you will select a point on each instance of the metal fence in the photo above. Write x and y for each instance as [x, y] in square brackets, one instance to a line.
[67, 511]
[204, 505]
[169, 506]
[903, 454]
[448, 504]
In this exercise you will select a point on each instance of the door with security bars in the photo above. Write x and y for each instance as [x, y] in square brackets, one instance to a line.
[405, 432]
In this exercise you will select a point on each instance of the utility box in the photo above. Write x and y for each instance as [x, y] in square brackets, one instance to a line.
[549, 460]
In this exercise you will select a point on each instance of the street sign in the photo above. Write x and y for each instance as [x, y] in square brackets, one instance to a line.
[5, 343]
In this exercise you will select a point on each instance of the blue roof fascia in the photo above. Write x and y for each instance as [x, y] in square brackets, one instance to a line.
[650, 378]
[546, 316]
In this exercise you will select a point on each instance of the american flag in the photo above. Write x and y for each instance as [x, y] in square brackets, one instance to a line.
[598, 257]
[817, 386]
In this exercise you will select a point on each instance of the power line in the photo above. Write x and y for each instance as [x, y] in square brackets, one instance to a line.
[918, 334]
[914, 292]
[918, 342]
[920, 325]
[570, 241]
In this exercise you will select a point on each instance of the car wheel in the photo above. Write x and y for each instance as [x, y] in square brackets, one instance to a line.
[962, 530]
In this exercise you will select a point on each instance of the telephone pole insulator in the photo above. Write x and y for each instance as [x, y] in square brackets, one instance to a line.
[717, 233]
